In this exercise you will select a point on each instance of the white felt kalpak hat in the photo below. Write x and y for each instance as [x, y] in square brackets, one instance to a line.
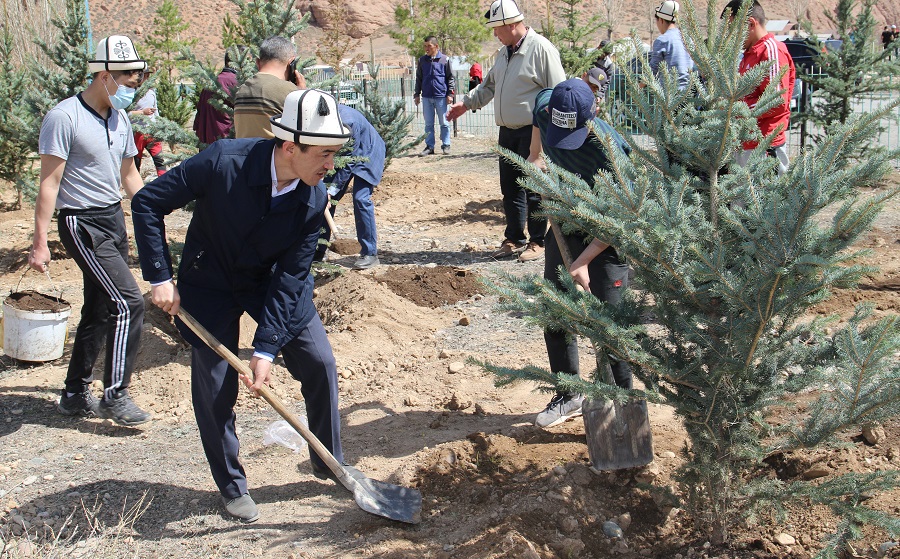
[116, 52]
[668, 10]
[503, 12]
[310, 117]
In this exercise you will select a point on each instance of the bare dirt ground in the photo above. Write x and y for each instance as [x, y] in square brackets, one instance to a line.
[416, 412]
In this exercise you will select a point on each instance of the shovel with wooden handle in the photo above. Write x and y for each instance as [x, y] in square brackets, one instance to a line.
[377, 497]
[329, 219]
[618, 435]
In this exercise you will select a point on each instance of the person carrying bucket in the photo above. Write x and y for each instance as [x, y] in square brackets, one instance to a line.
[87, 154]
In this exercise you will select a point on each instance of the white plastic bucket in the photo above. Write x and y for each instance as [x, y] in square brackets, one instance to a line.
[34, 335]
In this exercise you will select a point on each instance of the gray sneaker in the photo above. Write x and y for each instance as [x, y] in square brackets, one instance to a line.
[445, 150]
[122, 409]
[427, 151]
[561, 408]
[82, 404]
[243, 508]
[366, 262]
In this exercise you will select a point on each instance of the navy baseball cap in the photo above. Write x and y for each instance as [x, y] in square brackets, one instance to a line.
[571, 106]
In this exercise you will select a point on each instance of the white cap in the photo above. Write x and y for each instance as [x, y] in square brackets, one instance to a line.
[116, 53]
[668, 10]
[310, 117]
[503, 12]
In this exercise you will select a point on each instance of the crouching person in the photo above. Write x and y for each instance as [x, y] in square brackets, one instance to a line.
[249, 247]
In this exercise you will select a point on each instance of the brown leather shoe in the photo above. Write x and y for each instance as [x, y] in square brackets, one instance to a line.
[508, 248]
[532, 252]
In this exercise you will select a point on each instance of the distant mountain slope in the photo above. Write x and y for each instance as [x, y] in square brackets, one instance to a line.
[372, 16]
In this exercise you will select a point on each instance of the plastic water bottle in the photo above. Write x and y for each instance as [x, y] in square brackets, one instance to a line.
[281, 432]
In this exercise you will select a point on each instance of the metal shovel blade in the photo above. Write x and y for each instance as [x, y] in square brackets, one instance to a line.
[402, 504]
[377, 497]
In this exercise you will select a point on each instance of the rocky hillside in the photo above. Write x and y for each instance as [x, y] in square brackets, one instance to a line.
[372, 17]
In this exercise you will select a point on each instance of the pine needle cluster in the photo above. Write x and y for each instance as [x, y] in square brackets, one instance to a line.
[576, 39]
[259, 20]
[857, 71]
[15, 153]
[68, 72]
[728, 261]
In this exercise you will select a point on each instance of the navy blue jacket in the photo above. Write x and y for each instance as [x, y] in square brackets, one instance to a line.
[366, 143]
[434, 78]
[235, 243]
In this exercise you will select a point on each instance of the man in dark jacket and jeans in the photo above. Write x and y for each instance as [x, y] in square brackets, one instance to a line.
[434, 85]
[249, 247]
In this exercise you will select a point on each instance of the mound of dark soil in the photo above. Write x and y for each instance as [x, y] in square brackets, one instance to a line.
[34, 301]
[345, 247]
[432, 287]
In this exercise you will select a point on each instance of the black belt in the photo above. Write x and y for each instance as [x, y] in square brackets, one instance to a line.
[105, 210]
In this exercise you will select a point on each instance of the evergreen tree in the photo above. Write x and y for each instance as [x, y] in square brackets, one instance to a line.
[241, 37]
[182, 143]
[729, 265]
[165, 40]
[16, 160]
[859, 70]
[388, 117]
[338, 39]
[576, 41]
[259, 20]
[67, 74]
[205, 76]
[173, 103]
[457, 24]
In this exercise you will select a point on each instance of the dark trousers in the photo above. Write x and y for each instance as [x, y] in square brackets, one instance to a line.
[113, 310]
[215, 385]
[519, 204]
[609, 278]
[363, 214]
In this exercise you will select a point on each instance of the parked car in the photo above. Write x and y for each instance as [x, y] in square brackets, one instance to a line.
[324, 77]
[804, 55]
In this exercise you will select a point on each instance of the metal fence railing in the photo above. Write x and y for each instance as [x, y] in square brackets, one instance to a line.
[481, 123]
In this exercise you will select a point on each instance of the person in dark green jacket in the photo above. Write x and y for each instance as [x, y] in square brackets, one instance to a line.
[560, 130]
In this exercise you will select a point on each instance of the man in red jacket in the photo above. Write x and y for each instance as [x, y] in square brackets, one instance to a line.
[760, 46]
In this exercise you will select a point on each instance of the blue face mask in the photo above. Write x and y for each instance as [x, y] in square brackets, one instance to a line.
[123, 96]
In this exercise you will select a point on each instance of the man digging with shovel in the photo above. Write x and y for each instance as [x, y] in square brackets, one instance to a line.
[249, 247]
[560, 129]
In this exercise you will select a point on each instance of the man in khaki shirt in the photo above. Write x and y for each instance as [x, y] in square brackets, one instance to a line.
[526, 64]
[262, 96]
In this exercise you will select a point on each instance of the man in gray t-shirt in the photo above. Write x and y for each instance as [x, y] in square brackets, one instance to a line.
[87, 149]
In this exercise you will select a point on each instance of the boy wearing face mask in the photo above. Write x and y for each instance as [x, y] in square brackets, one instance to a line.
[87, 149]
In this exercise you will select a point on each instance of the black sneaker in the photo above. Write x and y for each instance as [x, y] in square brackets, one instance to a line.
[122, 409]
[445, 150]
[81, 404]
[561, 408]
[427, 151]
